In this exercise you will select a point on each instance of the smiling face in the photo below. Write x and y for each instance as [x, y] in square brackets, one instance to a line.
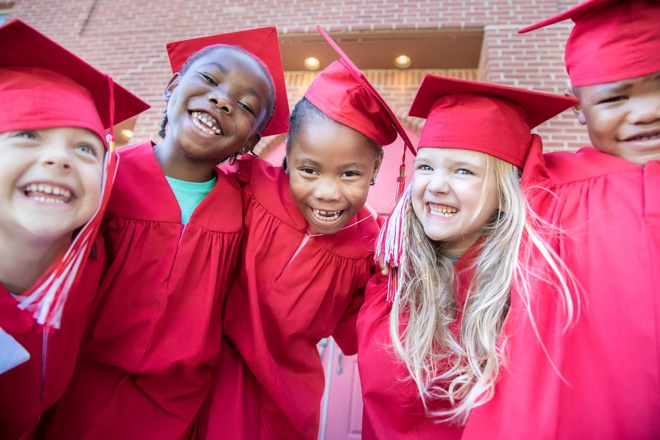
[51, 182]
[216, 107]
[454, 194]
[330, 167]
[623, 117]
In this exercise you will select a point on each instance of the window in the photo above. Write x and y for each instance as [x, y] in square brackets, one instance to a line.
[4, 14]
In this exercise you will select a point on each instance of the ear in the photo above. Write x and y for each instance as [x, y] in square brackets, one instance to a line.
[577, 108]
[377, 163]
[250, 143]
[174, 81]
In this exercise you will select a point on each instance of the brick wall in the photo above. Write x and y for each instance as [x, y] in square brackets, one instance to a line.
[126, 38]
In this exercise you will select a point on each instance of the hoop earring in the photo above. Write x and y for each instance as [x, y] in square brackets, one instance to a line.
[232, 159]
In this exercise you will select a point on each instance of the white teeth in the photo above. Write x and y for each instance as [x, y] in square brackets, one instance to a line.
[326, 216]
[44, 188]
[205, 122]
[48, 200]
[442, 211]
[645, 138]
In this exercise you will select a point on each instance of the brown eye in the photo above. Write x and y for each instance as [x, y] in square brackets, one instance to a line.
[208, 78]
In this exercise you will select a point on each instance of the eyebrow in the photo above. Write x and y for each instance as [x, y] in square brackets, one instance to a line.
[219, 66]
[306, 161]
[224, 70]
[618, 88]
[353, 165]
[253, 92]
[462, 163]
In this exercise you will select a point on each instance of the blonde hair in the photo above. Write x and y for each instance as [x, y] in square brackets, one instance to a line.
[462, 371]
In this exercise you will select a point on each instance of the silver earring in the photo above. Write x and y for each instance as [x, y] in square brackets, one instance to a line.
[373, 182]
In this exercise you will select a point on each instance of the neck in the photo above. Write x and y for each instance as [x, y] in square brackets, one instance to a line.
[26, 260]
[180, 166]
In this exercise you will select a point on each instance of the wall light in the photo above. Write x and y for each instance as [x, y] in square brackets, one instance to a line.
[127, 134]
[402, 61]
[312, 63]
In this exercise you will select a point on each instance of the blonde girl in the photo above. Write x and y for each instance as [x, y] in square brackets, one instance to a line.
[432, 336]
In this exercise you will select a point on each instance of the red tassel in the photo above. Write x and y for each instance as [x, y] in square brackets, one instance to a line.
[401, 181]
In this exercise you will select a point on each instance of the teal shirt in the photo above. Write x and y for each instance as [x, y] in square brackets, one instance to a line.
[189, 195]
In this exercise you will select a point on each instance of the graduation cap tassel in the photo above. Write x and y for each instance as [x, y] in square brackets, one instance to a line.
[390, 248]
[49, 294]
[401, 180]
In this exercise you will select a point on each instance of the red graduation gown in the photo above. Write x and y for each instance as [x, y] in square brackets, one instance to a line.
[145, 365]
[21, 387]
[293, 290]
[392, 407]
[610, 209]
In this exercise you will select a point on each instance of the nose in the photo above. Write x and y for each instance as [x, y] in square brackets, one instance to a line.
[645, 110]
[221, 101]
[57, 156]
[327, 190]
[439, 184]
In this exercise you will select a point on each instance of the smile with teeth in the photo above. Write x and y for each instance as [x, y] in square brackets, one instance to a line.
[441, 210]
[644, 138]
[43, 192]
[326, 216]
[206, 123]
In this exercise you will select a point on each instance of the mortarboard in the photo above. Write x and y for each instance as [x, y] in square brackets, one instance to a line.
[42, 86]
[263, 44]
[344, 94]
[612, 40]
[489, 118]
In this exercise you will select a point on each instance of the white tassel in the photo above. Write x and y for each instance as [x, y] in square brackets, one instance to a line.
[390, 248]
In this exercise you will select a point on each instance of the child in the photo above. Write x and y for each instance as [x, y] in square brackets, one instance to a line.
[606, 383]
[430, 346]
[173, 230]
[54, 110]
[307, 255]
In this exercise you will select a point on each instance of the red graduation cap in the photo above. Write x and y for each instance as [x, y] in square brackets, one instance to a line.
[261, 43]
[43, 85]
[489, 118]
[342, 92]
[612, 40]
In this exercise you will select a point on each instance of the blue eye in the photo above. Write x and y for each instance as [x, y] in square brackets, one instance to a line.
[424, 168]
[26, 134]
[464, 172]
[86, 149]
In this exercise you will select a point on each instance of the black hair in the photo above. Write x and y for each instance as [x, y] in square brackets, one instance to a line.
[305, 113]
[270, 110]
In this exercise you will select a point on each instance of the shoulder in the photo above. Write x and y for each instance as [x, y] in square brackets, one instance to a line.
[136, 150]
[250, 170]
[565, 167]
